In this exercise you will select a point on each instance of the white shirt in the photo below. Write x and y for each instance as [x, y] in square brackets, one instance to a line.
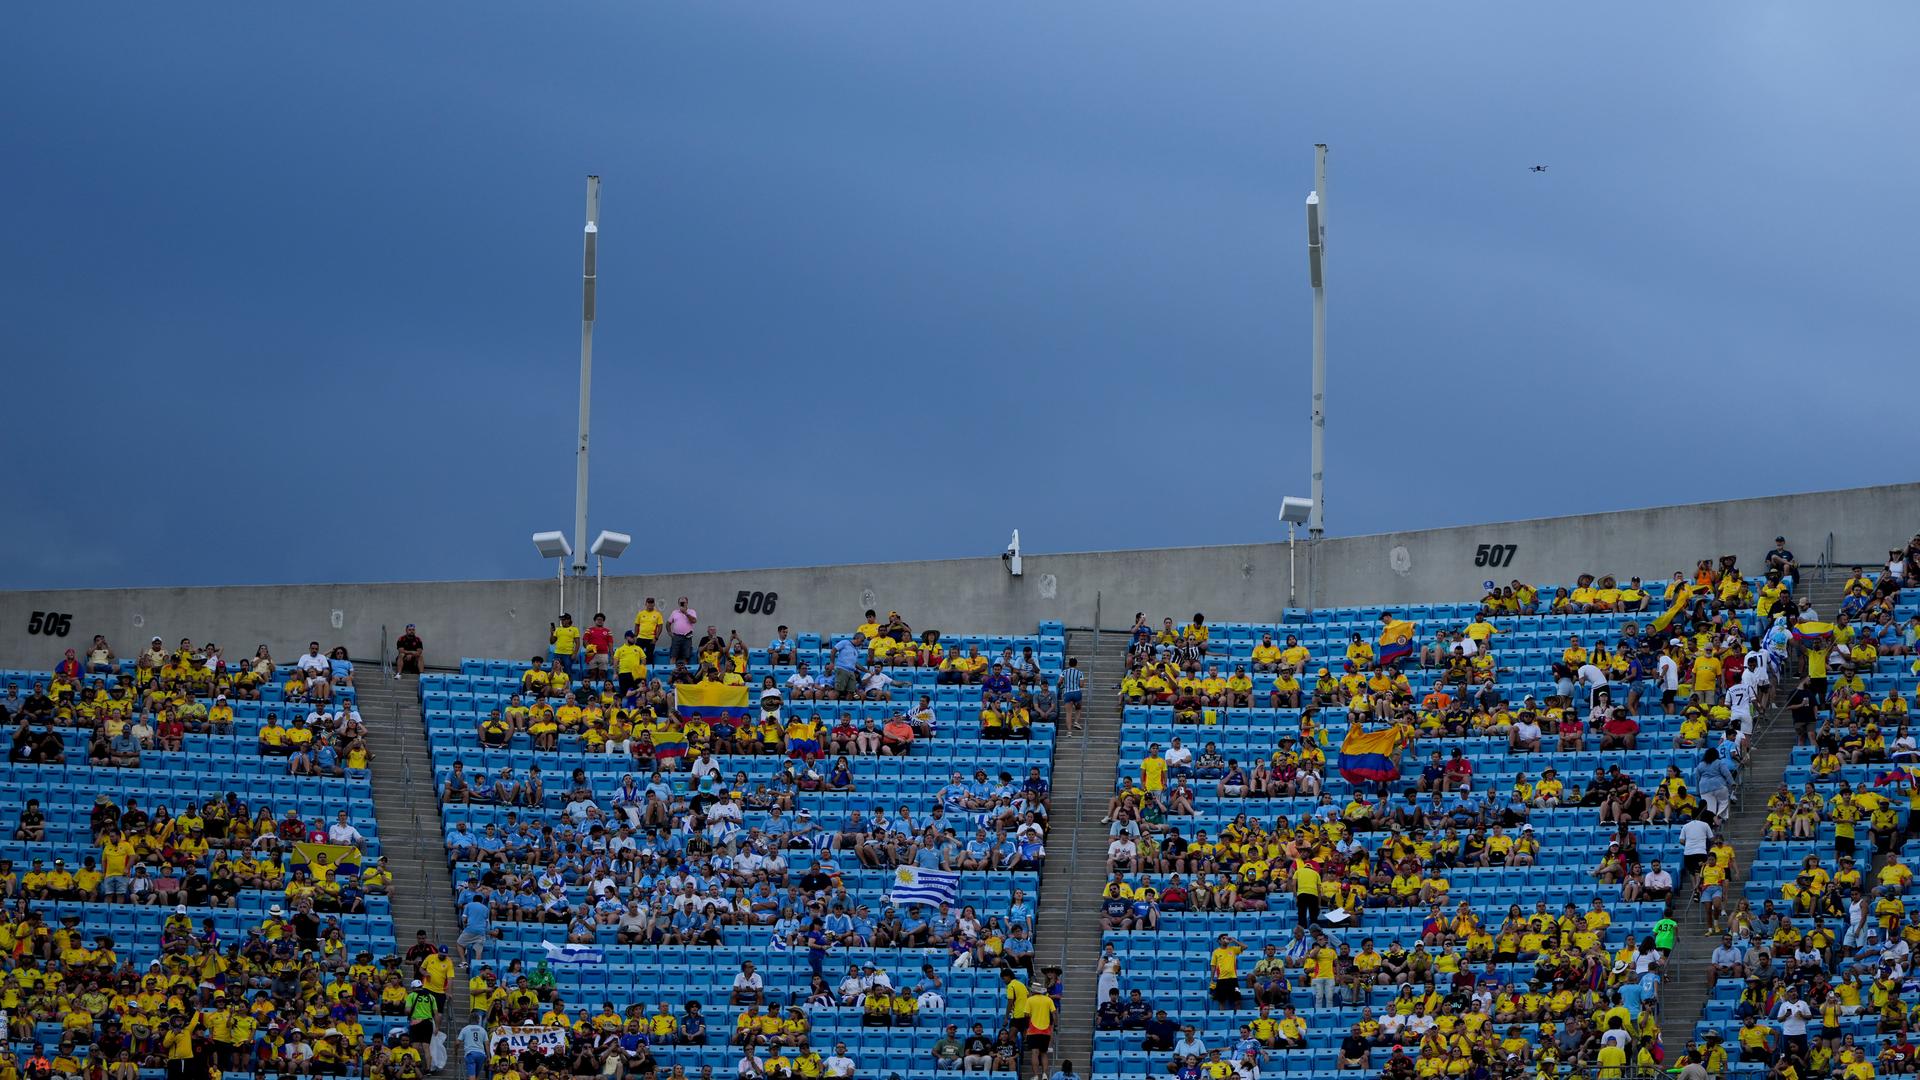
[1592, 676]
[747, 980]
[1694, 836]
[1740, 702]
[1669, 672]
[1793, 1017]
[1526, 731]
[801, 680]
[1657, 879]
[877, 680]
[341, 832]
[1178, 755]
[839, 1065]
[311, 662]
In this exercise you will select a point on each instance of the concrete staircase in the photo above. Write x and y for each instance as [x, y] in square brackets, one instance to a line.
[407, 811]
[1068, 924]
[1690, 980]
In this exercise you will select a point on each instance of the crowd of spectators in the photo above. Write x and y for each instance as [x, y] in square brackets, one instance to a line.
[1695, 662]
[685, 850]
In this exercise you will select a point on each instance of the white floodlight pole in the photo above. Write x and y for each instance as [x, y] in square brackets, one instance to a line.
[1316, 259]
[1289, 564]
[608, 545]
[553, 545]
[587, 260]
[1293, 511]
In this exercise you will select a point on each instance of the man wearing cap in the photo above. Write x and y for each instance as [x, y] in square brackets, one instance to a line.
[147, 665]
[436, 974]
[410, 653]
[420, 1007]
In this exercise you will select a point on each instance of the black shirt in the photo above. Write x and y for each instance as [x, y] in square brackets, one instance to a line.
[979, 1046]
[409, 642]
[1805, 706]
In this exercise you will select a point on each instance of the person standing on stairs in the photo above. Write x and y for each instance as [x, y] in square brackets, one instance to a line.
[1072, 691]
[476, 923]
[473, 1044]
[1713, 780]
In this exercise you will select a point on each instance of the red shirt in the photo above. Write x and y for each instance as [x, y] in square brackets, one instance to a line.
[599, 640]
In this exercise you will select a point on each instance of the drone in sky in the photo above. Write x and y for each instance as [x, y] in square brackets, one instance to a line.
[1537, 168]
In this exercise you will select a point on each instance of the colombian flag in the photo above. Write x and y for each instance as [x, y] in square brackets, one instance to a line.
[716, 703]
[669, 743]
[1371, 756]
[1813, 633]
[1396, 642]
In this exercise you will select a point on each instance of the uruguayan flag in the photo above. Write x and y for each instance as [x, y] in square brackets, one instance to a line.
[573, 954]
[918, 885]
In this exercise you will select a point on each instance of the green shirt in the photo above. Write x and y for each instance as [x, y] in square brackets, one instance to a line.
[1664, 933]
[420, 1006]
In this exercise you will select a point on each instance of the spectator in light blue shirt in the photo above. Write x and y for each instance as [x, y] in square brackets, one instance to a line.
[847, 653]
[954, 794]
[473, 1045]
[1019, 948]
[461, 842]
[914, 926]
[1019, 912]
[979, 848]
[943, 921]
[476, 921]
[780, 650]
[839, 923]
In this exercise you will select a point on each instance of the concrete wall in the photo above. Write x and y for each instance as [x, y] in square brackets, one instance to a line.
[1247, 582]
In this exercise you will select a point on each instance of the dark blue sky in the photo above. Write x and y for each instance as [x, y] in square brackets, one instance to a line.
[290, 293]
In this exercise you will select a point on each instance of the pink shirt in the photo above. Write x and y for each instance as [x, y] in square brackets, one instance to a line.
[682, 622]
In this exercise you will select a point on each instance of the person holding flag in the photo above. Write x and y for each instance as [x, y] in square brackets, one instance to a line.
[1396, 639]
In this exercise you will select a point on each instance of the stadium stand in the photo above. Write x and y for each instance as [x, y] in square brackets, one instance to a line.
[1495, 838]
[1814, 973]
[192, 872]
[750, 857]
[1284, 898]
